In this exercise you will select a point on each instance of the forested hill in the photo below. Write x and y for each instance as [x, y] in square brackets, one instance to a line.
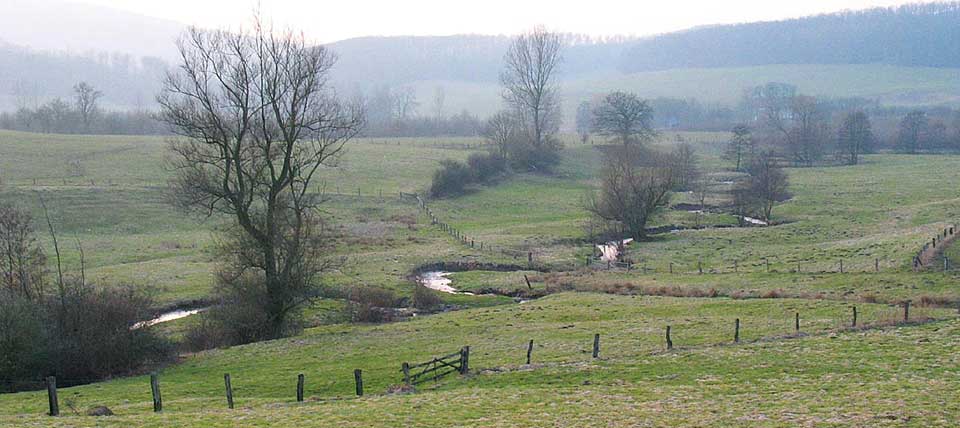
[926, 35]
[468, 58]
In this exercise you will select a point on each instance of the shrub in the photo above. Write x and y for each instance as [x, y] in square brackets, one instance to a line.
[371, 304]
[425, 298]
[451, 179]
[84, 334]
[239, 316]
[486, 167]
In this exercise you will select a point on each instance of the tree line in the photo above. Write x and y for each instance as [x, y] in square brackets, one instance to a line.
[916, 35]
[83, 114]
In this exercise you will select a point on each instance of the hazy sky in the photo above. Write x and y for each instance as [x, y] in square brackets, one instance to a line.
[331, 20]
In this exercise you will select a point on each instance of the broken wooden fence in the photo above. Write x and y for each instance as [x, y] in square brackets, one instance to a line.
[457, 362]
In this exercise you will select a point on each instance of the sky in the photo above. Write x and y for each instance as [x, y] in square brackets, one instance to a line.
[332, 20]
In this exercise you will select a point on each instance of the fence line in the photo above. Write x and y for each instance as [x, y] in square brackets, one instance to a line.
[465, 239]
[459, 362]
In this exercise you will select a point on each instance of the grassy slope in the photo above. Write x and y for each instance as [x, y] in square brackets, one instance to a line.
[891, 84]
[562, 327]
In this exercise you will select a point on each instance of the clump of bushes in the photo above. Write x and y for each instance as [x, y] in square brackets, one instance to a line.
[238, 317]
[371, 304]
[80, 335]
[425, 298]
[453, 177]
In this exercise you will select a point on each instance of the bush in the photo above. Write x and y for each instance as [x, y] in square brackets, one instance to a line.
[485, 167]
[425, 298]
[239, 316]
[85, 334]
[451, 179]
[371, 304]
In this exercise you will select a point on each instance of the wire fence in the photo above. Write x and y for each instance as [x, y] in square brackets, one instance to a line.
[575, 344]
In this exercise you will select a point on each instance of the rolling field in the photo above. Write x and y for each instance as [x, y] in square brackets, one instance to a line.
[725, 85]
[108, 193]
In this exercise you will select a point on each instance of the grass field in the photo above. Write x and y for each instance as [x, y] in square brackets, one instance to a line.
[108, 193]
[562, 327]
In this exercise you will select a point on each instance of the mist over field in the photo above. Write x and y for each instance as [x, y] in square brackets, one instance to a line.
[382, 214]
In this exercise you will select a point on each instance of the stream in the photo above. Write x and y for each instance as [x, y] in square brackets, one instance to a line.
[610, 251]
[169, 316]
[439, 281]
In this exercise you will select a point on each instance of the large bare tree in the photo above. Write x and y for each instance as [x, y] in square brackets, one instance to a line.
[529, 84]
[635, 185]
[258, 124]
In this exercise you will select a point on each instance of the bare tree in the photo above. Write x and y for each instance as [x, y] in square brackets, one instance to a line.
[740, 147]
[584, 121]
[624, 116]
[910, 134]
[854, 137]
[22, 261]
[258, 124]
[630, 194]
[405, 103]
[439, 101]
[501, 131]
[86, 99]
[684, 167]
[808, 136]
[530, 88]
[767, 184]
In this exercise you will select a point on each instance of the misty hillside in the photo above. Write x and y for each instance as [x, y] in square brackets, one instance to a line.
[124, 54]
[914, 35]
[83, 28]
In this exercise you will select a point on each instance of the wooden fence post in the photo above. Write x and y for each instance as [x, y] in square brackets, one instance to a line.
[300, 382]
[465, 360]
[906, 311]
[854, 325]
[700, 266]
[841, 265]
[671, 267]
[406, 374]
[876, 265]
[52, 396]
[767, 263]
[796, 323]
[736, 331]
[155, 391]
[736, 268]
[358, 379]
[229, 388]
[669, 342]
[596, 345]
[529, 351]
